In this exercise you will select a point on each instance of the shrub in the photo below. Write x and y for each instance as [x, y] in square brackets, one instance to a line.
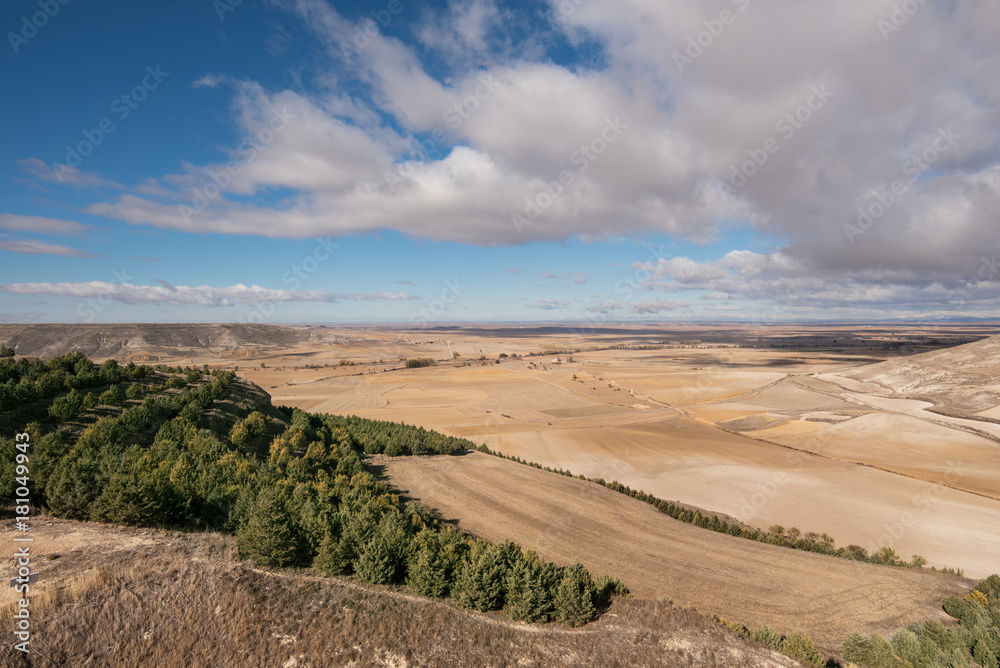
[871, 652]
[907, 645]
[268, 533]
[134, 391]
[176, 382]
[428, 572]
[112, 397]
[800, 647]
[418, 362]
[766, 636]
[531, 584]
[65, 408]
[480, 582]
[575, 596]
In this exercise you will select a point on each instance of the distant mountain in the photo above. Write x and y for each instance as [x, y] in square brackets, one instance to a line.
[121, 340]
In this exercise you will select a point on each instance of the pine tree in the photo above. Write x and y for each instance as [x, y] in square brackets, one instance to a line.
[268, 534]
[330, 558]
[376, 564]
[427, 572]
[531, 586]
[575, 596]
[480, 581]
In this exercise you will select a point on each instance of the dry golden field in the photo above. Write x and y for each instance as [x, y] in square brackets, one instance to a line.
[565, 519]
[872, 436]
[115, 596]
[791, 436]
[792, 425]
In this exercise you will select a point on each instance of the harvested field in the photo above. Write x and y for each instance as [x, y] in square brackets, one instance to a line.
[112, 596]
[566, 519]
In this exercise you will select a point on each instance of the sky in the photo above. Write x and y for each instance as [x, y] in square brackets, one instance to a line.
[428, 163]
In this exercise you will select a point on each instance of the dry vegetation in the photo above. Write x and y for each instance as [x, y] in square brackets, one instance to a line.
[565, 519]
[113, 596]
[836, 430]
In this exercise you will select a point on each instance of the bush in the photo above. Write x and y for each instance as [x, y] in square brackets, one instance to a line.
[176, 382]
[65, 408]
[428, 572]
[531, 585]
[871, 652]
[576, 596]
[418, 362]
[480, 582]
[134, 391]
[268, 533]
[112, 397]
[907, 646]
[800, 647]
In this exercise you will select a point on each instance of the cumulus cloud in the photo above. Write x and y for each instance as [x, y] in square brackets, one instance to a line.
[607, 307]
[203, 295]
[873, 155]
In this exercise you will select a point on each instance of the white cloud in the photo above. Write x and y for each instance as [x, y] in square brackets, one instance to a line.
[525, 120]
[548, 304]
[655, 307]
[203, 295]
[68, 176]
[42, 225]
[29, 247]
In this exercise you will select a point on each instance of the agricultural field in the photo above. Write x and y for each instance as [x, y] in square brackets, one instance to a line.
[786, 431]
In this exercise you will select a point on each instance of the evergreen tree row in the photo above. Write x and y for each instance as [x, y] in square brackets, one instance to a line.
[306, 500]
[933, 645]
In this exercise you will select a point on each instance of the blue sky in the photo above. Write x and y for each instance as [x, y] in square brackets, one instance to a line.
[428, 162]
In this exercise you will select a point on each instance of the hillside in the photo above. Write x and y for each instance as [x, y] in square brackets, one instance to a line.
[116, 596]
[963, 380]
[193, 450]
[566, 519]
[147, 342]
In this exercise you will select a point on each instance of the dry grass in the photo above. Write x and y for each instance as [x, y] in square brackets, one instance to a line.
[565, 519]
[184, 600]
